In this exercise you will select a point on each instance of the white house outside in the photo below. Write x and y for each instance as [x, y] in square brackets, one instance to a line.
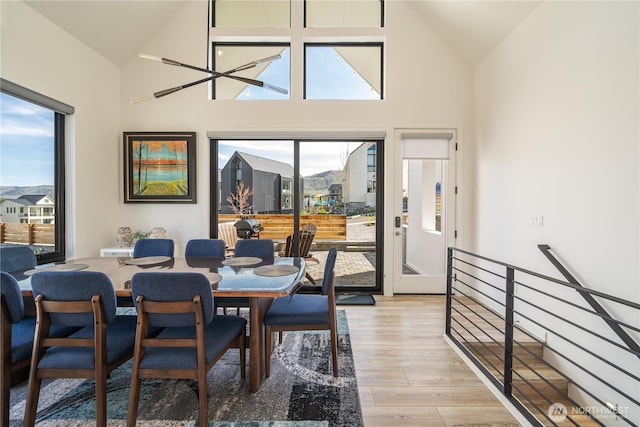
[28, 209]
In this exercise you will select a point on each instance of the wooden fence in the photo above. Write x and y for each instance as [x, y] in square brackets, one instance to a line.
[330, 227]
[29, 234]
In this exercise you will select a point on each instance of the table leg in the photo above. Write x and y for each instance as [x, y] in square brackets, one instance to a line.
[258, 308]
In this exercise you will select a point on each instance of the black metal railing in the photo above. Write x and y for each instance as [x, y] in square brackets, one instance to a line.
[553, 356]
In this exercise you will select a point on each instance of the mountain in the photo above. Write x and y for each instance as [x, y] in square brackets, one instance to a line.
[13, 192]
[320, 182]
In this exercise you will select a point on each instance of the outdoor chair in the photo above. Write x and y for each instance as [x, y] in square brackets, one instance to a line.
[16, 260]
[209, 248]
[307, 234]
[85, 300]
[260, 248]
[153, 247]
[193, 338]
[305, 312]
[228, 233]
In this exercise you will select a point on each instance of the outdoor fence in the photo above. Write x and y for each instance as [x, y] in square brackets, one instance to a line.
[330, 227]
[28, 234]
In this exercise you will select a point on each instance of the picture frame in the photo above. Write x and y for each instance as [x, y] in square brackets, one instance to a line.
[159, 167]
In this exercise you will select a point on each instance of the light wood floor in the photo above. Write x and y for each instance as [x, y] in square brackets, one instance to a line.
[408, 375]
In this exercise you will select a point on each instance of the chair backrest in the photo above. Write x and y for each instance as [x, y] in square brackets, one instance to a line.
[17, 258]
[156, 286]
[228, 233]
[329, 266]
[75, 286]
[205, 248]
[153, 247]
[261, 248]
[307, 234]
[12, 296]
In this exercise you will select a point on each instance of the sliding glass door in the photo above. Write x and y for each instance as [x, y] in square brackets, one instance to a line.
[329, 186]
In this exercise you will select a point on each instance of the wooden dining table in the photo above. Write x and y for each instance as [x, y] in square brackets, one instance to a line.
[259, 279]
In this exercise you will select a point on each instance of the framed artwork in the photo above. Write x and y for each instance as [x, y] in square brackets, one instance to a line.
[159, 167]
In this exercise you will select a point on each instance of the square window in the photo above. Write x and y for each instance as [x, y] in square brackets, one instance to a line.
[343, 71]
[251, 13]
[274, 74]
[343, 13]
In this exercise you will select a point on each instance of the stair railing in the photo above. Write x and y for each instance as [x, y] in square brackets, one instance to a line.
[613, 324]
[496, 310]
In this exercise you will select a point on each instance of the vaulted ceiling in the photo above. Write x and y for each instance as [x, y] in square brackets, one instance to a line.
[116, 29]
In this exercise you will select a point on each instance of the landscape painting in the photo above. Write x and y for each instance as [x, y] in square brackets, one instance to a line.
[160, 167]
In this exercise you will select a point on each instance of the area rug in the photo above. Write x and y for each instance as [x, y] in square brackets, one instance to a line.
[301, 392]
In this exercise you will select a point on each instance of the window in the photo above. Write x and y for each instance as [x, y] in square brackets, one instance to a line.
[251, 14]
[371, 159]
[32, 144]
[343, 71]
[343, 13]
[228, 56]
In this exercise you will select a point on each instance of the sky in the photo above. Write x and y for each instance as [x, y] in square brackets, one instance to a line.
[26, 143]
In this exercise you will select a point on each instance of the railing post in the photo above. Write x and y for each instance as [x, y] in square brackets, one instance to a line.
[508, 332]
[449, 291]
[2, 232]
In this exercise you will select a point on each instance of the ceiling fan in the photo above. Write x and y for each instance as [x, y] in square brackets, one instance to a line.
[213, 75]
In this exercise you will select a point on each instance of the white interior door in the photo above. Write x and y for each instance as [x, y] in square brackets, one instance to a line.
[424, 211]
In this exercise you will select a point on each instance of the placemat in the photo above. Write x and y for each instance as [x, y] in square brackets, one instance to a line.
[148, 260]
[58, 267]
[242, 261]
[276, 270]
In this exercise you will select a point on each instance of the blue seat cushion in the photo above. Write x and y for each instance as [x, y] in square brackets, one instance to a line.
[218, 334]
[121, 334]
[22, 334]
[299, 309]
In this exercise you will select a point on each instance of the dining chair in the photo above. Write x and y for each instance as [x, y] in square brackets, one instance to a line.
[193, 338]
[305, 312]
[16, 342]
[153, 247]
[260, 248]
[86, 300]
[16, 260]
[209, 248]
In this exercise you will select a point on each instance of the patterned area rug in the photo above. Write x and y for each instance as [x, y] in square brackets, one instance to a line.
[301, 392]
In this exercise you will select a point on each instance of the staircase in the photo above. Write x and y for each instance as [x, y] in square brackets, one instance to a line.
[535, 384]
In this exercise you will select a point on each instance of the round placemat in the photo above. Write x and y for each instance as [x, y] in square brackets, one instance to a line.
[148, 260]
[276, 270]
[58, 267]
[242, 261]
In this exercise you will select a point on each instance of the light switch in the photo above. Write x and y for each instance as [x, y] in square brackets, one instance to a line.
[536, 221]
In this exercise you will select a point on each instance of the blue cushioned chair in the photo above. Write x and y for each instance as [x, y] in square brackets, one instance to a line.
[193, 338]
[84, 299]
[260, 248]
[16, 260]
[153, 247]
[17, 337]
[305, 312]
[210, 248]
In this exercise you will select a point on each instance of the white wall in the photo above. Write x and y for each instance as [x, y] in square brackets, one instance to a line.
[557, 130]
[427, 84]
[42, 57]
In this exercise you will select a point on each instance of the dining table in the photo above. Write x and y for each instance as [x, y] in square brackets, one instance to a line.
[259, 279]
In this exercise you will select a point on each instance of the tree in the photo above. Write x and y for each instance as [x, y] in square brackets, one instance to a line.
[239, 201]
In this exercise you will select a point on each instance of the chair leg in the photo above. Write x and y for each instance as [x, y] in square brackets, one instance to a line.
[6, 389]
[334, 347]
[311, 279]
[268, 343]
[101, 399]
[32, 400]
[202, 397]
[242, 345]
[134, 398]
[280, 337]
